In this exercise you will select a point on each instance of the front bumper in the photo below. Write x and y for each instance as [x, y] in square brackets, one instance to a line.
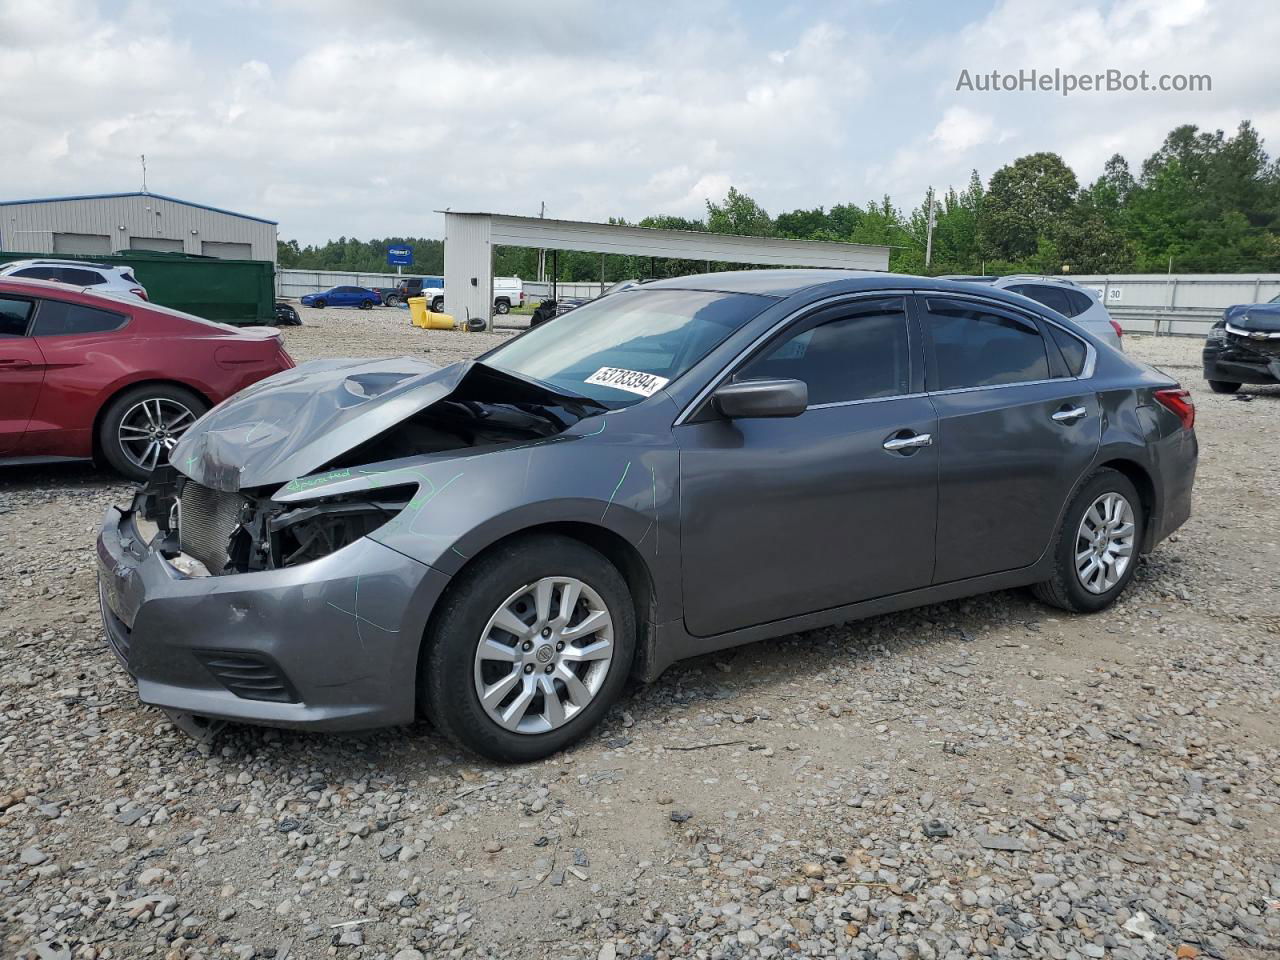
[1233, 359]
[332, 644]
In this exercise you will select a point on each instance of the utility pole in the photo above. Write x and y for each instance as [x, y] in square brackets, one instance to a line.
[542, 254]
[143, 158]
[930, 220]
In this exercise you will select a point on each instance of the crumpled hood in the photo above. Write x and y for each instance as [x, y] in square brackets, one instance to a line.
[294, 422]
[1254, 316]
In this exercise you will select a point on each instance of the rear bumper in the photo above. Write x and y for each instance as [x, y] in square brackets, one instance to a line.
[1176, 457]
[330, 645]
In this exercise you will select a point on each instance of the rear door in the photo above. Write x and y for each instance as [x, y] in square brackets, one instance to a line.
[1016, 430]
[21, 371]
[781, 517]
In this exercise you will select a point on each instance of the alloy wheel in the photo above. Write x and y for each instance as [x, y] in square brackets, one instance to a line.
[544, 655]
[151, 428]
[1104, 543]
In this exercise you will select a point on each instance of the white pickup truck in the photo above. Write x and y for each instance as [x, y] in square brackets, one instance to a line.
[508, 292]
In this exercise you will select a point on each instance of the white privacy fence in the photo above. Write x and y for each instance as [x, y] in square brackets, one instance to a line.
[292, 284]
[1184, 304]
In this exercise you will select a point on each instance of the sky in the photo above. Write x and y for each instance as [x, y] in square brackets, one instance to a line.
[360, 119]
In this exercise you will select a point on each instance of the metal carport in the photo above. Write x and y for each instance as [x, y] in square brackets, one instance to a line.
[469, 239]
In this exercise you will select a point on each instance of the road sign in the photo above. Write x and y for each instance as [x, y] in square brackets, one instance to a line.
[400, 256]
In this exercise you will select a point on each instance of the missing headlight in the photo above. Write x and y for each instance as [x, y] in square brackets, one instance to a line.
[300, 535]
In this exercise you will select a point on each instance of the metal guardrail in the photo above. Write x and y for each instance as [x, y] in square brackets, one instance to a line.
[1166, 322]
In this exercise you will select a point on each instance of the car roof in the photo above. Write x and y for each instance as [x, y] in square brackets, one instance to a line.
[785, 283]
[43, 262]
[40, 288]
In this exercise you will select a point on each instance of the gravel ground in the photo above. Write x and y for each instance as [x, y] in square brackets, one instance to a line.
[985, 777]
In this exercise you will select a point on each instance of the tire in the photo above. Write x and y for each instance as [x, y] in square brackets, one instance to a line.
[437, 305]
[392, 301]
[502, 306]
[134, 460]
[451, 669]
[1065, 589]
[1224, 386]
[366, 304]
[318, 304]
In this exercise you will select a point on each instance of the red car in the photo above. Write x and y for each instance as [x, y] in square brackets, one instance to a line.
[84, 375]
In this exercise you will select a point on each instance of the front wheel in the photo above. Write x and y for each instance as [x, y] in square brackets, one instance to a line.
[318, 304]
[530, 646]
[1224, 386]
[437, 305]
[392, 301]
[1097, 547]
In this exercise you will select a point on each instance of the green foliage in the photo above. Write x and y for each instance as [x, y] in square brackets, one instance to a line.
[360, 256]
[1206, 201]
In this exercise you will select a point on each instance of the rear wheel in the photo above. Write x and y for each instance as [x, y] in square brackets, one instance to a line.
[1097, 547]
[1224, 386]
[502, 306]
[143, 424]
[530, 646]
[366, 304]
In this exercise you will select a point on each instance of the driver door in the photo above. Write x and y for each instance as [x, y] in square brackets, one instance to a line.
[787, 516]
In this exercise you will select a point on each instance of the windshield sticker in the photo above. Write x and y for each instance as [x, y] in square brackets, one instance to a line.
[633, 381]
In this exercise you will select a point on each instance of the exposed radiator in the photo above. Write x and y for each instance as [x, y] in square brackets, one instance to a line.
[206, 520]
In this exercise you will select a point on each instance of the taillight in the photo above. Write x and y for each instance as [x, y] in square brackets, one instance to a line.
[1117, 328]
[1178, 401]
[138, 292]
[522, 296]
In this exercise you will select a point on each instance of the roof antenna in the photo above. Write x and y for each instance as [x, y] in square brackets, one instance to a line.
[143, 158]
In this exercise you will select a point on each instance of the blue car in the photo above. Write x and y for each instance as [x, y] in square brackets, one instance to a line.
[360, 297]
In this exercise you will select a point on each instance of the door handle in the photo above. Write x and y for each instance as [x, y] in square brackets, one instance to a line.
[898, 443]
[1070, 414]
[14, 363]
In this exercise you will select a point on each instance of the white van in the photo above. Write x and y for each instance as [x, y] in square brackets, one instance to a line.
[508, 292]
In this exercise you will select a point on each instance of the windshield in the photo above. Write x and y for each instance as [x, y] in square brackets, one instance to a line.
[620, 349]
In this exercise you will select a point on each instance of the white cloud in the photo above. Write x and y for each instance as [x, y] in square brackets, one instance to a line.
[338, 118]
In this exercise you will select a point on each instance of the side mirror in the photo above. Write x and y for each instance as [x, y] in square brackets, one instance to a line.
[762, 398]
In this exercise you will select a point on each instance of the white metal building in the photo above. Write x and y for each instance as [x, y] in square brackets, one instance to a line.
[469, 239]
[114, 222]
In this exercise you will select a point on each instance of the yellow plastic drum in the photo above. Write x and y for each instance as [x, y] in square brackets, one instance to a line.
[420, 316]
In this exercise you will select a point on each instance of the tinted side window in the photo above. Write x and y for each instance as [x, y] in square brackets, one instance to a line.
[37, 273]
[81, 278]
[1073, 350]
[1052, 297]
[976, 348]
[1079, 302]
[13, 317]
[56, 318]
[857, 354]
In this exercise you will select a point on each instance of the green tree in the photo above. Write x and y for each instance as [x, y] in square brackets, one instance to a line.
[1023, 203]
[739, 214]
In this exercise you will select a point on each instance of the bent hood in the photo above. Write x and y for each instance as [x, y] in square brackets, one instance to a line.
[1263, 317]
[294, 422]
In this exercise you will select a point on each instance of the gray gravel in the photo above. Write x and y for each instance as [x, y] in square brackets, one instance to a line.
[985, 777]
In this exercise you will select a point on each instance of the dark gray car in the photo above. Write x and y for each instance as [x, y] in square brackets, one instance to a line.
[691, 465]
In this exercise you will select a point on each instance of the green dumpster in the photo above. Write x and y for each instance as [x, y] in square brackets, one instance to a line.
[229, 291]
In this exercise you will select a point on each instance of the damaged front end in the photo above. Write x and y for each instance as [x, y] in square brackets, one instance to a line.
[210, 523]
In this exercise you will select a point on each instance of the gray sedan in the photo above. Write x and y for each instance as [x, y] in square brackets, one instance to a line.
[668, 471]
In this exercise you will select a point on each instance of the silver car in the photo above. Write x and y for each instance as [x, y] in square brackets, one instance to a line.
[1072, 300]
[94, 277]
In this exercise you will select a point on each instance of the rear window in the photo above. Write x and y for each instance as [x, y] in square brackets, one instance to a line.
[1079, 301]
[1052, 297]
[56, 318]
[13, 317]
